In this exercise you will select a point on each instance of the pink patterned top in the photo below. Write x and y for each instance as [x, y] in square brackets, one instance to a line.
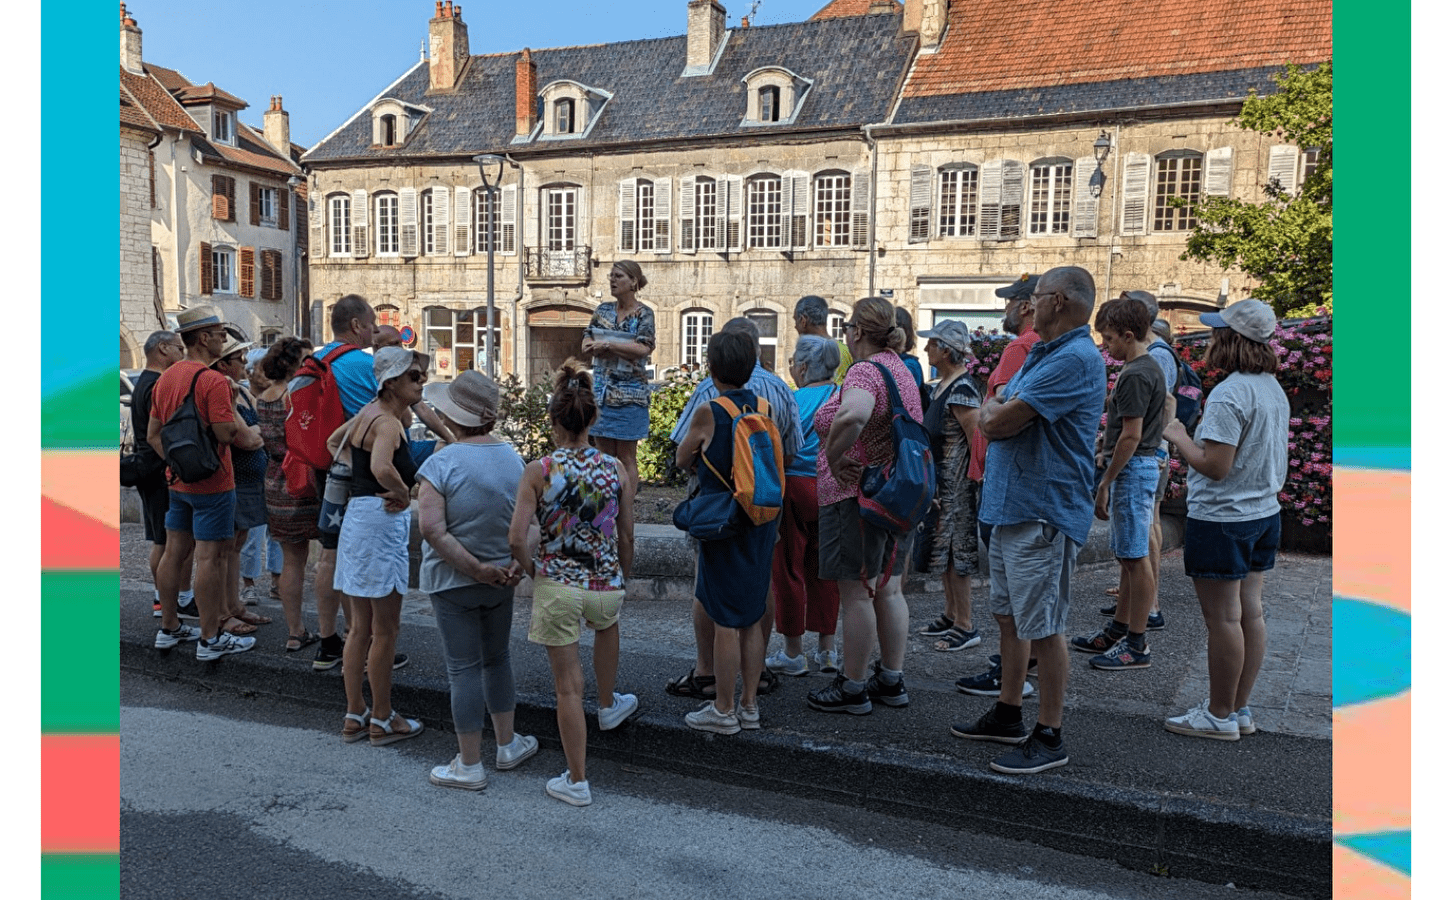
[874, 445]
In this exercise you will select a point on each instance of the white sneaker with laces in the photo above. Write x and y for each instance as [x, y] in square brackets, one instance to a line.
[1198, 722]
[624, 707]
[749, 717]
[1245, 720]
[250, 596]
[456, 774]
[562, 788]
[827, 661]
[164, 640]
[708, 718]
[520, 748]
[787, 665]
[225, 643]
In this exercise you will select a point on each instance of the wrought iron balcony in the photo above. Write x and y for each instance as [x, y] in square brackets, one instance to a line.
[558, 266]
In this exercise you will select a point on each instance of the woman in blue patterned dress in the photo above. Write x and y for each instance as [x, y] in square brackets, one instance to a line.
[619, 340]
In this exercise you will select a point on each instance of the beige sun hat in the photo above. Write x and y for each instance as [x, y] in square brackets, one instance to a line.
[472, 399]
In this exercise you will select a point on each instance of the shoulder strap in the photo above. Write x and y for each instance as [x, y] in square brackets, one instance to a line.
[895, 402]
[194, 381]
[728, 405]
[339, 352]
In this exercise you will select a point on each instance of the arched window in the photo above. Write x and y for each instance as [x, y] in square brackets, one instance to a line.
[387, 130]
[340, 225]
[387, 225]
[1177, 174]
[565, 116]
[832, 209]
[959, 201]
[1051, 187]
[769, 103]
[768, 323]
[836, 326]
[709, 228]
[696, 326]
[763, 212]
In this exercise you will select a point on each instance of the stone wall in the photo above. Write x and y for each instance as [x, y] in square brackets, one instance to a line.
[137, 292]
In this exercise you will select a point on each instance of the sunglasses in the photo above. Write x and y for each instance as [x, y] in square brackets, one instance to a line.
[417, 376]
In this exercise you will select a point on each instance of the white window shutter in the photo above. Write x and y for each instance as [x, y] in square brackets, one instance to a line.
[1219, 164]
[800, 224]
[1085, 207]
[464, 217]
[1135, 193]
[662, 215]
[508, 195]
[440, 212]
[687, 214]
[787, 204]
[1283, 162]
[409, 223]
[735, 208]
[922, 202]
[318, 214]
[990, 179]
[360, 224]
[860, 209]
[582, 217]
[625, 210]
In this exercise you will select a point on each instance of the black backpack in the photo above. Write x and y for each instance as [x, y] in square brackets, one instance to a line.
[1189, 393]
[190, 448]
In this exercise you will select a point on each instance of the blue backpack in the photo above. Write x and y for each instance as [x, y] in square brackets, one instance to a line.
[897, 495]
[1189, 393]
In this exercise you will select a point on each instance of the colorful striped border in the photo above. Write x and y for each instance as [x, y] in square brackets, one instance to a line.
[79, 555]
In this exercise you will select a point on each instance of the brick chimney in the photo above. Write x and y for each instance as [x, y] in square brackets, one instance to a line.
[706, 27]
[449, 46]
[525, 107]
[130, 56]
[277, 126]
[928, 19]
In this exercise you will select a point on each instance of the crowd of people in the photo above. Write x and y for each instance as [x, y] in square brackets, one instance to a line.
[1022, 467]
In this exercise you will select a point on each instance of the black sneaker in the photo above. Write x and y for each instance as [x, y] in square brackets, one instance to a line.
[937, 627]
[1031, 757]
[989, 728]
[1109, 611]
[332, 650]
[189, 610]
[888, 694]
[833, 698]
[1098, 642]
[1029, 669]
[401, 660]
[1155, 621]
[987, 684]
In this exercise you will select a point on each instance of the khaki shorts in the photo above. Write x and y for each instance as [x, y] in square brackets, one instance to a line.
[558, 609]
[1030, 568]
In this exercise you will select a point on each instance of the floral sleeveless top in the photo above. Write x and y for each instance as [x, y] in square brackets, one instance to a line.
[578, 509]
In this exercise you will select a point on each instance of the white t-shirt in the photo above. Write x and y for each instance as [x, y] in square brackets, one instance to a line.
[1252, 414]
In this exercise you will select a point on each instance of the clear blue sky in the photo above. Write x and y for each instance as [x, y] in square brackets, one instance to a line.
[329, 59]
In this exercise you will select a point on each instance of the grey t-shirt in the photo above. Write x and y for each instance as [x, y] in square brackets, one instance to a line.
[1252, 414]
[479, 483]
[1139, 394]
[1160, 351]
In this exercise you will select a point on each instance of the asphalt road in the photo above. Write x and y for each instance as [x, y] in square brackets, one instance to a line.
[226, 795]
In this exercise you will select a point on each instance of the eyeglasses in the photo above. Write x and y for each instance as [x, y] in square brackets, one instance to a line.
[849, 324]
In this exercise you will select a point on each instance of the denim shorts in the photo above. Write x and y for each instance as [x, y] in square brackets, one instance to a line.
[1132, 503]
[1229, 551]
[622, 423]
[206, 517]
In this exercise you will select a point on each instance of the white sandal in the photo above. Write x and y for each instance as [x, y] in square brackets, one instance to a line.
[388, 735]
[360, 733]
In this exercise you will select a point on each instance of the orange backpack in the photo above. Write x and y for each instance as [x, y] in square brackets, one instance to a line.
[757, 466]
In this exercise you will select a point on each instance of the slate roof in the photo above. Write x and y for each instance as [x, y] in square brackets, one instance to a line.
[156, 101]
[1104, 54]
[856, 63]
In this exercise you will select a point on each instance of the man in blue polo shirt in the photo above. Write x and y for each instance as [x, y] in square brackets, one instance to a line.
[1040, 496]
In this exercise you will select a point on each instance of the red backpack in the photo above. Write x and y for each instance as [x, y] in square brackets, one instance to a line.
[315, 413]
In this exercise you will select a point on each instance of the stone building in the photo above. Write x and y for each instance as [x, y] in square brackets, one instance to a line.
[206, 209]
[919, 152]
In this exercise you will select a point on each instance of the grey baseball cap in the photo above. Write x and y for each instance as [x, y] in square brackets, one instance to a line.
[950, 332]
[1250, 318]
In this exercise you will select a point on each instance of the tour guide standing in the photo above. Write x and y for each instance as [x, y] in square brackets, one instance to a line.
[1039, 495]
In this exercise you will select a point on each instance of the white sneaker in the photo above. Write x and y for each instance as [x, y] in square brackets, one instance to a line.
[1198, 722]
[749, 717]
[562, 788]
[624, 707]
[787, 665]
[250, 596]
[520, 748]
[708, 718]
[164, 640]
[223, 644]
[828, 661]
[456, 774]
[1245, 720]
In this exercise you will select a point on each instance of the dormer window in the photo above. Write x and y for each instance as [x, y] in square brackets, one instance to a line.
[569, 109]
[773, 96]
[387, 130]
[391, 122]
[224, 126]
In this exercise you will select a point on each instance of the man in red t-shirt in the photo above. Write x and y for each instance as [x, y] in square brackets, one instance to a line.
[202, 513]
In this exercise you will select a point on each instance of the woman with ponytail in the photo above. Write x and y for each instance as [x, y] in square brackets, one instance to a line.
[584, 502]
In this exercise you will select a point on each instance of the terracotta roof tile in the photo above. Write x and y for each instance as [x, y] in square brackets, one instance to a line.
[156, 101]
[250, 150]
[170, 79]
[1004, 45]
[133, 114]
[208, 93]
[838, 8]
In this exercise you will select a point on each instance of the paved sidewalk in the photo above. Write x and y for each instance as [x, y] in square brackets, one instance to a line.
[1256, 812]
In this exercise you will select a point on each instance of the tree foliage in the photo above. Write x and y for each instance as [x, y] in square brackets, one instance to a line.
[1284, 241]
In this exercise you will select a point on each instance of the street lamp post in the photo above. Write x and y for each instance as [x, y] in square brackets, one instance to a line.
[300, 312]
[492, 169]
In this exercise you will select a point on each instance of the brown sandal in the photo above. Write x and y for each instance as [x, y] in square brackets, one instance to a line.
[253, 618]
[242, 627]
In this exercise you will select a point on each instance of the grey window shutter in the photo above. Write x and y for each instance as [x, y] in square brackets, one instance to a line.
[990, 179]
[1135, 193]
[317, 226]
[1283, 161]
[860, 209]
[922, 200]
[1012, 197]
[464, 217]
[800, 218]
[1219, 165]
[662, 215]
[409, 223]
[440, 213]
[360, 224]
[1085, 206]
[687, 214]
[787, 203]
[625, 210]
[735, 208]
[582, 218]
[508, 194]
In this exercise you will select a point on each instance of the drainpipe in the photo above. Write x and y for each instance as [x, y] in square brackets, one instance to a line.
[874, 190]
[1115, 210]
[519, 266]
